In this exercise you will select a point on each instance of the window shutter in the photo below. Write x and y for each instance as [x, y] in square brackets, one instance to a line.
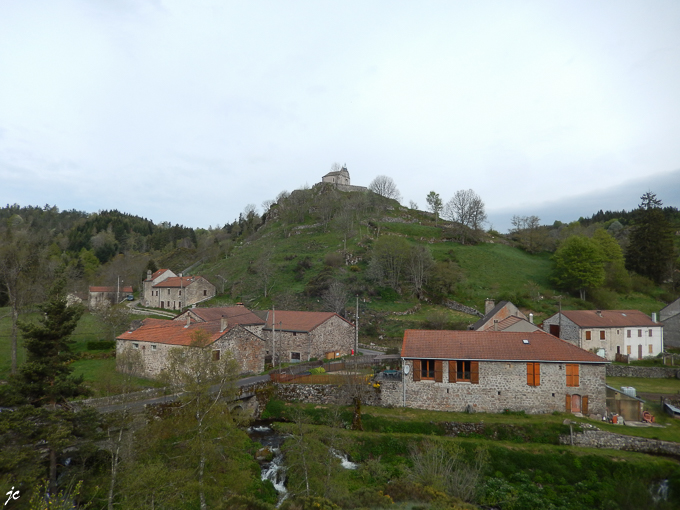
[474, 372]
[438, 371]
[530, 374]
[584, 404]
[453, 371]
[568, 403]
[569, 375]
[416, 370]
[575, 375]
[537, 374]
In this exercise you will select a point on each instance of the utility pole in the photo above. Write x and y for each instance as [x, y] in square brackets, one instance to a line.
[273, 337]
[118, 291]
[356, 330]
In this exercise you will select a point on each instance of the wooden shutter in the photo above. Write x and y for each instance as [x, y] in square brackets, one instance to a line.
[416, 370]
[575, 375]
[474, 372]
[530, 374]
[569, 370]
[584, 404]
[453, 371]
[537, 374]
[438, 371]
[568, 403]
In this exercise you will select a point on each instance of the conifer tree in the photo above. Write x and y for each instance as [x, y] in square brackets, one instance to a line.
[651, 243]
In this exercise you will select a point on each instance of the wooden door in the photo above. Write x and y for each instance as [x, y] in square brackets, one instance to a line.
[575, 403]
[555, 330]
[639, 351]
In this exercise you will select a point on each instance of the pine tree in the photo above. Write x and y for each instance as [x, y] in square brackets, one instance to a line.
[45, 378]
[651, 242]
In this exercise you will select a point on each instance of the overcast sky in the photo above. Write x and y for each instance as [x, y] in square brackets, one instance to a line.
[187, 111]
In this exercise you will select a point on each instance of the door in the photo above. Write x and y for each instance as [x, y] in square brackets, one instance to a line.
[575, 403]
[162, 304]
[555, 330]
[639, 351]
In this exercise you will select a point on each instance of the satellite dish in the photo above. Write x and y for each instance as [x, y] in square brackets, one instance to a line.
[407, 369]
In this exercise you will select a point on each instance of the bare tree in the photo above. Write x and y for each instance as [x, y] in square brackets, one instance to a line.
[335, 297]
[204, 380]
[266, 271]
[267, 204]
[113, 319]
[418, 267]
[385, 187]
[466, 208]
[413, 205]
[355, 388]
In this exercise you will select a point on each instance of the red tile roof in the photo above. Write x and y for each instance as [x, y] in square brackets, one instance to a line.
[177, 281]
[492, 345]
[158, 273]
[127, 289]
[299, 321]
[160, 331]
[234, 314]
[609, 318]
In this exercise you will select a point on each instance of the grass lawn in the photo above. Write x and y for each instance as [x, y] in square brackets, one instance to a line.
[646, 385]
[101, 377]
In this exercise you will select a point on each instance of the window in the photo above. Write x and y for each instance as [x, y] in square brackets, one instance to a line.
[135, 346]
[628, 348]
[295, 356]
[180, 292]
[427, 369]
[205, 292]
[168, 291]
[587, 335]
[639, 332]
[153, 347]
[602, 335]
[628, 333]
[464, 371]
[294, 333]
[533, 374]
[572, 374]
[651, 349]
[650, 332]
[216, 355]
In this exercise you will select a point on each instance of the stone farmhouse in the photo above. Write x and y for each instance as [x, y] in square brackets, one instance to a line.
[111, 295]
[341, 180]
[234, 314]
[503, 317]
[299, 336]
[670, 318]
[609, 332]
[164, 289]
[155, 338]
[490, 371]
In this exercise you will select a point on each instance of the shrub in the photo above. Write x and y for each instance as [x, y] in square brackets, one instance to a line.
[333, 259]
[354, 268]
[642, 284]
[309, 503]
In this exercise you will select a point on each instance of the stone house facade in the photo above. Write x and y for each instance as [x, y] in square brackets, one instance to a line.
[341, 180]
[299, 336]
[670, 318]
[111, 295]
[155, 338]
[609, 332]
[503, 316]
[176, 292]
[490, 371]
[151, 280]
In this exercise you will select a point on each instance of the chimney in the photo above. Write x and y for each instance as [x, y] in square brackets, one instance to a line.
[223, 323]
[531, 318]
[188, 321]
[653, 316]
[488, 305]
[148, 274]
[599, 313]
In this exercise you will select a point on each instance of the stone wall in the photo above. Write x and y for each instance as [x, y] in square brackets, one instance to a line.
[503, 385]
[602, 439]
[569, 332]
[671, 331]
[454, 305]
[248, 349]
[323, 394]
[648, 372]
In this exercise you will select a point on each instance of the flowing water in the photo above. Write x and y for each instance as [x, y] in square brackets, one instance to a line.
[272, 470]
